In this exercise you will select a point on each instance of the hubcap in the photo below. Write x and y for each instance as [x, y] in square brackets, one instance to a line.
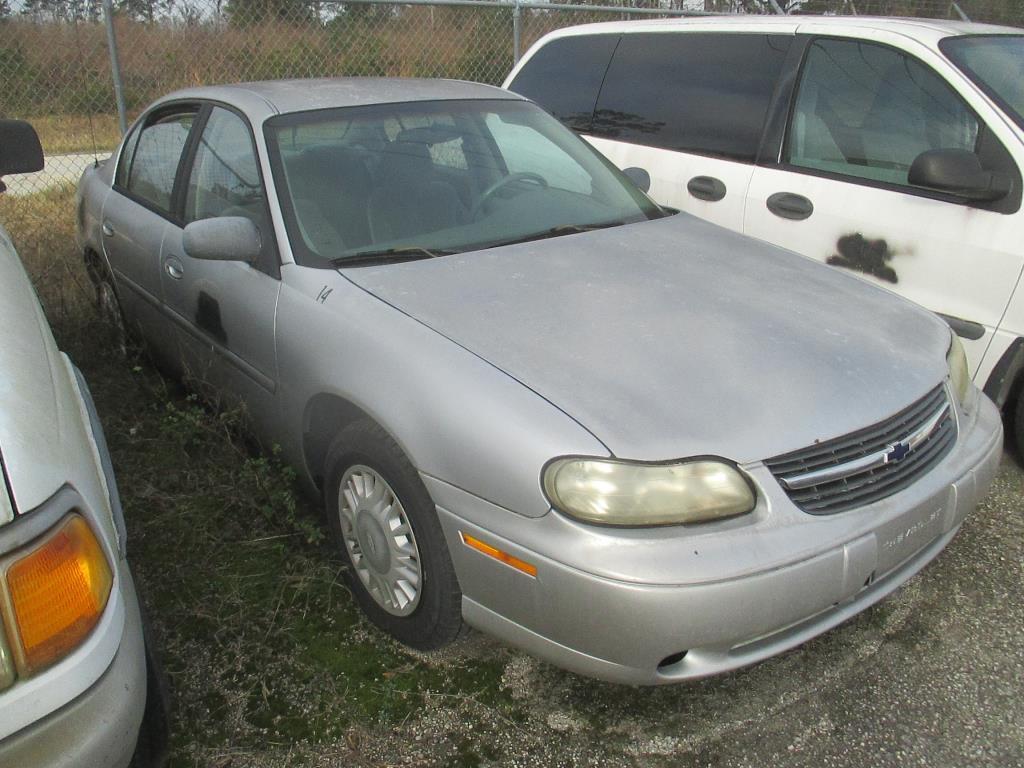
[379, 540]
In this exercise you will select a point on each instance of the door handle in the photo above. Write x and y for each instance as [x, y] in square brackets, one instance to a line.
[174, 268]
[706, 188]
[790, 206]
[108, 231]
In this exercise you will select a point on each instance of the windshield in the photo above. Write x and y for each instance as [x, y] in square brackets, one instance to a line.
[996, 64]
[438, 177]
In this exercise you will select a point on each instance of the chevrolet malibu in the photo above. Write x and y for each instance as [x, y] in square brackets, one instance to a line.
[635, 444]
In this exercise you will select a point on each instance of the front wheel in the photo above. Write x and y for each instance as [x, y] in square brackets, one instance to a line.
[386, 528]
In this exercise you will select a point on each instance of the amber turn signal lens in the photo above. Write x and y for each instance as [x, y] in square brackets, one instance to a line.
[497, 554]
[58, 592]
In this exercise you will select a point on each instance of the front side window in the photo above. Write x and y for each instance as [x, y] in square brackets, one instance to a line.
[868, 111]
[225, 178]
[156, 158]
[705, 93]
[444, 176]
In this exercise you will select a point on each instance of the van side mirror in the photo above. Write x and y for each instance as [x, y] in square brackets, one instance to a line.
[959, 173]
[640, 177]
[224, 238]
[20, 151]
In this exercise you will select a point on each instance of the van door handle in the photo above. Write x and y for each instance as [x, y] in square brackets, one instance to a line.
[108, 231]
[706, 188]
[790, 206]
[174, 268]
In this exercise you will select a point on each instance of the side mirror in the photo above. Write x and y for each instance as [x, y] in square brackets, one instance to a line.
[225, 238]
[640, 177]
[20, 151]
[958, 172]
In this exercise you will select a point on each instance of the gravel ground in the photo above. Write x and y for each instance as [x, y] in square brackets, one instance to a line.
[933, 676]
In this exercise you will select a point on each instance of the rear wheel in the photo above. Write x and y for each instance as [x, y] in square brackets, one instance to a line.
[109, 307]
[386, 528]
[1018, 425]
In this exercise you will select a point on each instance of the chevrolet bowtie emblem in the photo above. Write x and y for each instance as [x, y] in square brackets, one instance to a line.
[897, 452]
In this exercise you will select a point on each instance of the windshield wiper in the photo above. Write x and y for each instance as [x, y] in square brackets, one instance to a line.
[406, 253]
[561, 229]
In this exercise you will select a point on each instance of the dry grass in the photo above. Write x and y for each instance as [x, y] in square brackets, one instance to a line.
[77, 133]
[42, 227]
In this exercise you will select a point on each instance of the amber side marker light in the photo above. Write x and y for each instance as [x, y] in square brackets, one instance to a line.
[58, 592]
[497, 554]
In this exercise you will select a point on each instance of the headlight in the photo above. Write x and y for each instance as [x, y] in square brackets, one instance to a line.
[624, 493]
[959, 373]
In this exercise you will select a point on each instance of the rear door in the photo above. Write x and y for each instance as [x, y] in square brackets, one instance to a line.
[223, 311]
[862, 111]
[138, 214]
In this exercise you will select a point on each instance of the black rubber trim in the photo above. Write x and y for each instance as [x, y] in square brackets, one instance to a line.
[965, 329]
[1006, 373]
[769, 152]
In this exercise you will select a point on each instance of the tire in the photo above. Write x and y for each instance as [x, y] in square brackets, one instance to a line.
[109, 307]
[1018, 425]
[385, 526]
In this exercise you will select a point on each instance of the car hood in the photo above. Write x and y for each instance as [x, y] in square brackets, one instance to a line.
[675, 337]
[31, 414]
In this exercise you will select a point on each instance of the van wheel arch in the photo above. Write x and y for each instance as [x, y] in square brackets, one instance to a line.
[1005, 387]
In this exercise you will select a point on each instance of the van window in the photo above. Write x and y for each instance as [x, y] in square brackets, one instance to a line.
[701, 93]
[565, 75]
[866, 110]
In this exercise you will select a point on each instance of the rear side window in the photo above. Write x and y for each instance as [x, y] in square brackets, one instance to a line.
[701, 93]
[565, 76]
[156, 158]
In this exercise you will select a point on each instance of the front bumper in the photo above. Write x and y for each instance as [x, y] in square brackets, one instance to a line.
[101, 726]
[726, 594]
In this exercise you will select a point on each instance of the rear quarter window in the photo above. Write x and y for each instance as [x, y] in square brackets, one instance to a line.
[564, 77]
[692, 92]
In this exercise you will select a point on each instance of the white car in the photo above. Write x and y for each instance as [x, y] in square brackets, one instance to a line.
[77, 685]
[891, 148]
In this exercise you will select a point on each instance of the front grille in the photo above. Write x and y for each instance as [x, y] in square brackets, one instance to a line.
[858, 477]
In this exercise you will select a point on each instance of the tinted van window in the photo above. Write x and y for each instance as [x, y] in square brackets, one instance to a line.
[701, 93]
[565, 75]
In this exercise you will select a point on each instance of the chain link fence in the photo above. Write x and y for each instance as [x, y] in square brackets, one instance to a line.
[55, 55]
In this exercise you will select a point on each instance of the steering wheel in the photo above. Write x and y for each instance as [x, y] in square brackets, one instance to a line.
[486, 195]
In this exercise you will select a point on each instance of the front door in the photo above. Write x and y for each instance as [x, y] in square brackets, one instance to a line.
[224, 310]
[863, 112]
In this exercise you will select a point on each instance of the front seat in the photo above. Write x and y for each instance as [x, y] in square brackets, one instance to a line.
[409, 199]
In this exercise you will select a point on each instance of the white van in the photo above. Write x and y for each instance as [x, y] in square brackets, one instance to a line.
[892, 148]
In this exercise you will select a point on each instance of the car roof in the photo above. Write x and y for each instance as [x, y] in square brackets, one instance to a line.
[270, 97]
[912, 27]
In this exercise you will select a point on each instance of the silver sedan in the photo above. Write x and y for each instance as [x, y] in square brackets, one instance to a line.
[633, 443]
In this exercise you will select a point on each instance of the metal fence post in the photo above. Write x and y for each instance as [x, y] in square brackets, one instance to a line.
[115, 66]
[516, 31]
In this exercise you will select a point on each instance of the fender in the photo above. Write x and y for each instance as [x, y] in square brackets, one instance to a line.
[1004, 376]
